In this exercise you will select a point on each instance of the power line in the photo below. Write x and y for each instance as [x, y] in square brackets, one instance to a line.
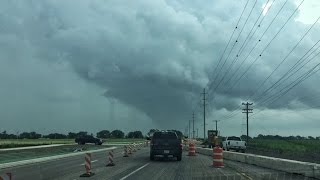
[256, 44]
[267, 45]
[261, 85]
[259, 40]
[298, 80]
[230, 39]
[303, 58]
[259, 25]
[237, 39]
[292, 85]
[238, 53]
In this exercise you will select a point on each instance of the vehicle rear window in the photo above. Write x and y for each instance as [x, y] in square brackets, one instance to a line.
[233, 138]
[163, 135]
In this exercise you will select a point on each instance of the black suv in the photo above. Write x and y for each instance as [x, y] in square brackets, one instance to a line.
[81, 140]
[165, 143]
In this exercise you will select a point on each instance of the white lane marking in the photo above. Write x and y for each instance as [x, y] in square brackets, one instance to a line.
[134, 171]
[245, 175]
[91, 162]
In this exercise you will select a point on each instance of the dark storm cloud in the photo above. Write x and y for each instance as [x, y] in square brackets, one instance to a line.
[153, 56]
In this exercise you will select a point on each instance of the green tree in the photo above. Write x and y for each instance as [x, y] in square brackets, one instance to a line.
[34, 135]
[138, 134]
[55, 136]
[151, 131]
[244, 137]
[311, 138]
[82, 133]
[130, 135]
[4, 135]
[117, 134]
[72, 135]
[103, 134]
[179, 133]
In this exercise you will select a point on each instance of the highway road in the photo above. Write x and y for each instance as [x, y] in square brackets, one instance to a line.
[138, 166]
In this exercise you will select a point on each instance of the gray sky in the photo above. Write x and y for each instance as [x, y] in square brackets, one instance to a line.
[136, 65]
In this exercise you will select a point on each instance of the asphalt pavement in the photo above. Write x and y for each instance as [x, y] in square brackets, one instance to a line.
[138, 166]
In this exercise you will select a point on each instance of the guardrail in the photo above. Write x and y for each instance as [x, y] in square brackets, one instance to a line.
[289, 166]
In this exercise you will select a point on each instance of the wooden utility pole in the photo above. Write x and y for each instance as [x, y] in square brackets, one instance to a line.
[189, 129]
[216, 125]
[204, 113]
[193, 132]
[247, 111]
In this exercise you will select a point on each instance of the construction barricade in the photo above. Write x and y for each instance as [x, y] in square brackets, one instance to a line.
[134, 147]
[125, 152]
[111, 162]
[6, 176]
[130, 149]
[218, 157]
[87, 165]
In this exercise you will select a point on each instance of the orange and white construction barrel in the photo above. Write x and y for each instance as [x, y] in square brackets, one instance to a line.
[192, 149]
[218, 157]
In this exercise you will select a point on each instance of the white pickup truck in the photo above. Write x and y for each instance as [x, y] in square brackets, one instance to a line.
[234, 143]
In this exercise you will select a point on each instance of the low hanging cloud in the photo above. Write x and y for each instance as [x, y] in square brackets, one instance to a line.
[152, 56]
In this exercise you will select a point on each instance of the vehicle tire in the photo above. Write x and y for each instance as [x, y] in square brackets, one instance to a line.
[228, 149]
[151, 157]
[243, 151]
[237, 150]
[179, 158]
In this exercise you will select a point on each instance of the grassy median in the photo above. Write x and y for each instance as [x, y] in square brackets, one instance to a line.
[13, 143]
[18, 155]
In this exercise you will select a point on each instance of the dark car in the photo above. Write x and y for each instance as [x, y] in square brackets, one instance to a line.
[165, 144]
[81, 140]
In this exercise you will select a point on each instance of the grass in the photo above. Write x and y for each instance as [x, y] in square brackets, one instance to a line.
[18, 155]
[302, 150]
[287, 146]
[12, 143]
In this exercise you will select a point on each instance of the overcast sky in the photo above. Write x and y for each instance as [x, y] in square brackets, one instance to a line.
[136, 65]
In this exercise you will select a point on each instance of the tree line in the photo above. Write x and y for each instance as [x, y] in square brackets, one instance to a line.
[278, 137]
[72, 135]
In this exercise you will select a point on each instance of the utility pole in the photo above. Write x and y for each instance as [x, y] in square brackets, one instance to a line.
[186, 131]
[189, 129]
[247, 111]
[193, 132]
[216, 125]
[197, 132]
[204, 113]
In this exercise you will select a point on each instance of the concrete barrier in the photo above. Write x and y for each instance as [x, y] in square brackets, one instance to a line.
[289, 166]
